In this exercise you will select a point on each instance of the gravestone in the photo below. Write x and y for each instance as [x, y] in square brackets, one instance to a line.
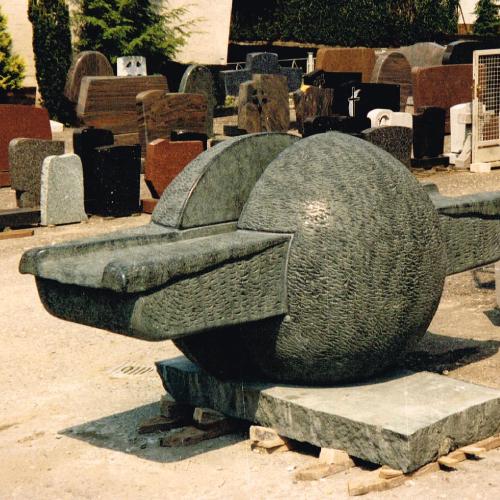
[312, 102]
[165, 159]
[198, 80]
[395, 140]
[131, 66]
[110, 102]
[115, 181]
[331, 80]
[393, 67]
[428, 138]
[61, 198]
[339, 123]
[20, 121]
[461, 51]
[423, 54]
[347, 59]
[386, 117]
[263, 104]
[460, 122]
[442, 87]
[87, 63]
[26, 158]
[84, 142]
[160, 113]
[359, 99]
[260, 63]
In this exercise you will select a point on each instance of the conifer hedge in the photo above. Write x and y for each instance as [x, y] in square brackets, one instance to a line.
[372, 23]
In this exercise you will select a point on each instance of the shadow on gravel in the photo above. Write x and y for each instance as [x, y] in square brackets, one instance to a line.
[119, 432]
[494, 316]
[436, 353]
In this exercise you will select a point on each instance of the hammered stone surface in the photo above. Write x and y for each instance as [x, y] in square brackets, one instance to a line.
[260, 63]
[62, 190]
[347, 59]
[25, 158]
[394, 68]
[160, 113]
[442, 87]
[20, 121]
[87, 63]
[198, 80]
[312, 102]
[165, 159]
[263, 105]
[423, 54]
[369, 421]
[395, 140]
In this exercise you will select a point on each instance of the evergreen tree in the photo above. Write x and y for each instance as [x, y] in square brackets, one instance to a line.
[53, 53]
[131, 27]
[487, 21]
[11, 66]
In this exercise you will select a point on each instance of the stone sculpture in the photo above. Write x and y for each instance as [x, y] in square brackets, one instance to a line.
[311, 262]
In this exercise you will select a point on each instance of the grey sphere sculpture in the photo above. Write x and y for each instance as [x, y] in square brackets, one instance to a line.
[312, 261]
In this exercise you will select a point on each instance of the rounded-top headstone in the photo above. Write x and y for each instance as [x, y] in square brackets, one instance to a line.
[87, 63]
[461, 51]
[365, 270]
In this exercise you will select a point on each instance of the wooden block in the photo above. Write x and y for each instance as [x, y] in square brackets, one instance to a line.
[386, 472]
[452, 459]
[335, 457]
[206, 418]
[488, 444]
[318, 471]
[473, 451]
[171, 409]
[191, 435]
[19, 233]
[160, 424]
[426, 469]
[258, 433]
[374, 483]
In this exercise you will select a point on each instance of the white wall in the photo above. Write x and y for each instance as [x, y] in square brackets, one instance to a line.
[468, 7]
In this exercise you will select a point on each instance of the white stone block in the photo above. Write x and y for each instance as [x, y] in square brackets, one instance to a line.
[401, 119]
[56, 127]
[131, 66]
[61, 196]
[460, 117]
[380, 117]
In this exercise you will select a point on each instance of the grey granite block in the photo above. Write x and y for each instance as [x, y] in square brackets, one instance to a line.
[61, 198]
[394, 140]
[404, 421]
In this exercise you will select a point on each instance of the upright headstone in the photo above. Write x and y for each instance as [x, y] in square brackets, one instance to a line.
[428, 138]
[160, 113]
[84, 142]
[387, 118]
[116, 181]
[260, 63]
[87, 63]
[20, 121]
[131, 66]
[395, 140]
[198, 80]
[423, 54]
[110, 102]
[312, 102]
[393, 67]
[26, 158]
[355, 59]
[442, 87]
[165, 160]
[460, 121]
[331, 80]
[61, 198]
[461, 51]
[344, 124]
[263, 104]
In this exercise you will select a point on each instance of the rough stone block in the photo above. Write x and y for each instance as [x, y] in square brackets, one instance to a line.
[25, 158]
[371, 421]
[394, 140]
[312, 102]
[355, 59]
[61, 198]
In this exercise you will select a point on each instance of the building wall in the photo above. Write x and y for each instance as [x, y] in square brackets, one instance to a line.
[468, 10]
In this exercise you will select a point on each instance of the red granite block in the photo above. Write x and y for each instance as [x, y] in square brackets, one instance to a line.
[21, 121]
[347, 59]
[4, 178]
[165, 159]
[148, 205]
[442, 87]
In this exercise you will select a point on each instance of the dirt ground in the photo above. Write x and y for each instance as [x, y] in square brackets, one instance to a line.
[68, 417]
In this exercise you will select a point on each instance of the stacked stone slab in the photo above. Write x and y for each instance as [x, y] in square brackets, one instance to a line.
[26, 157]
[62, 190]
[160, 113]
[356, 59]
[20, 121]
[263, 104]
[264, 63]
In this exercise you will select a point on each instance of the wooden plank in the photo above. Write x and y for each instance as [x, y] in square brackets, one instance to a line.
[335, 457]
[318, 471]
[191, 435]
[374, 483]
[488, 444]
[452, 459]
[386, 472]
[19, 233]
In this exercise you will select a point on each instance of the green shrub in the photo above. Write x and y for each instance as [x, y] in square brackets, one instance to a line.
[487, 20]
[131, 27]
[52, 49]
[11, 66]
[372, 23]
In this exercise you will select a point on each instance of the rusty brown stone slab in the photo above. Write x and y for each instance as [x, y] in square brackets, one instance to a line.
[347, 59]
